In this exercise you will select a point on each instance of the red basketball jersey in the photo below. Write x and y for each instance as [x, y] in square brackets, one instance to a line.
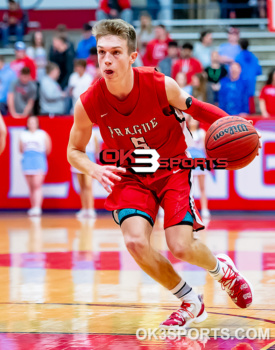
[146, 126]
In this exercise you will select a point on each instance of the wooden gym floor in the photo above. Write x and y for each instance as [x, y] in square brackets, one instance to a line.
[69, 284]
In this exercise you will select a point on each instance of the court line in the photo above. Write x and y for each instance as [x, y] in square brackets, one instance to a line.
[139, 306]
[250, 317]
[171, 307]
[268, 346]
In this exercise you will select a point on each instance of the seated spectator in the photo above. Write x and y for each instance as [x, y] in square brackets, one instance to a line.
[201, 90]
[88, 41]
[12, 23]
[22, 95]
[215, 72]
[38, 53]
[79, 81]
[250, 69]
[230, 50]
[63, 56]
[7, 76]
[233, 94]
[186, 64]
[182, 83]
[157, 49]
[115, 9]
[145, 33]
[22, 60]
[267, 96]
[166, 64]
[52, 98]
[204, 48]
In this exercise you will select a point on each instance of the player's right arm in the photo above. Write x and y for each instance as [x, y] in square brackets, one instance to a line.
[79, 137]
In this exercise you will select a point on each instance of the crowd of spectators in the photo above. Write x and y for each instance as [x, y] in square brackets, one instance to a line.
[49, 83]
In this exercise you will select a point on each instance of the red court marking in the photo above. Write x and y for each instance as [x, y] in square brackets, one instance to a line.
[38, 341]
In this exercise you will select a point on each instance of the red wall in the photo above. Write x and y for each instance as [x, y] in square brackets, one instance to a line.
[253, 189]
[49, 19]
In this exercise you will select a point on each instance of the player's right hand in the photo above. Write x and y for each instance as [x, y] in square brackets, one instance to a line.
[105, 174]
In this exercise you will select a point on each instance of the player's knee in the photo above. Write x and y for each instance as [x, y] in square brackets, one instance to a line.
[182, 252]
[137, 246]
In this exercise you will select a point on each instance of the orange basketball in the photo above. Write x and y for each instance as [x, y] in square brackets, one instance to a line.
[233, 138]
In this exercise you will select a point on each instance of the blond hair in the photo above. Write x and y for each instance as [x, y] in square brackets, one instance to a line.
[119, 28]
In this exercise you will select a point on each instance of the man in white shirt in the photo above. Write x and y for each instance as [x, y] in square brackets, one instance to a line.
[79, 81]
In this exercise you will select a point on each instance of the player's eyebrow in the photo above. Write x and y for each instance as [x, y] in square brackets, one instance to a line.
[113, 47]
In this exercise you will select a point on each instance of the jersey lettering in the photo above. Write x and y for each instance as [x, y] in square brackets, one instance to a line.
[139, 142]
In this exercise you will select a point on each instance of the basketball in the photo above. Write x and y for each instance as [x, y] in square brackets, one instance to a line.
[233, 138]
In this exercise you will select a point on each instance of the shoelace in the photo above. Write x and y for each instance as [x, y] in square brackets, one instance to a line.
[178, 315]
[230, 280]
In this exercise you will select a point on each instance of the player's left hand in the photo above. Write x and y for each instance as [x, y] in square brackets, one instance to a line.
[259, 134]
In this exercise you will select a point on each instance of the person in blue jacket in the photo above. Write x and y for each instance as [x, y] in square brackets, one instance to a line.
[233, 94]
[250, 69]
[7, 76]
[88, 41]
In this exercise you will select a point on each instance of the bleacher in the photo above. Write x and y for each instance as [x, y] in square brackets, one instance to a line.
[262, 42]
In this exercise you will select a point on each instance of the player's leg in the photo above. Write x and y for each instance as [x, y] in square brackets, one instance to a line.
[181, 218]
[204, 202]
[136, 232]
[136, 225]
[184, 246]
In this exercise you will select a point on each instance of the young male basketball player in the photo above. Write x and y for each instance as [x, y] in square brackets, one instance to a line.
[130, 107]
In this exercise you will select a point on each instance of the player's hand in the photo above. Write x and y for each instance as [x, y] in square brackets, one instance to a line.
[259, 134]
[106, 175]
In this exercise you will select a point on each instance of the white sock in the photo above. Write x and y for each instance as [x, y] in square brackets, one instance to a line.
[218, 271]
[182, 290]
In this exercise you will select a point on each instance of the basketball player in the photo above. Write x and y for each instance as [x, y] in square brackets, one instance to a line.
[131, 108]
[3, 134]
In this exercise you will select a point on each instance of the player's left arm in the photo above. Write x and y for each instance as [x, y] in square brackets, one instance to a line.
[202, 111]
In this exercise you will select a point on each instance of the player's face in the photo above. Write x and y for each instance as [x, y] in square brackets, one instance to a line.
[113, 57]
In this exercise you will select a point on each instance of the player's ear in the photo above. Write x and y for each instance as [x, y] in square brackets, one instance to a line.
[133, 57]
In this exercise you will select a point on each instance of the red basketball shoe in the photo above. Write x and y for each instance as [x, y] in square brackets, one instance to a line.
[191, 310]
[237, 286]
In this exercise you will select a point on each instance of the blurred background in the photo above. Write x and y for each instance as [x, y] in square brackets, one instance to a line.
[221, 52]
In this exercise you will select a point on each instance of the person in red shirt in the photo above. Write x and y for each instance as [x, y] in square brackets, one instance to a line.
[114, 9]
[133, 110]
[187, 64]
[157, 49]
[12, 23]
[22, 60]
[267, 96]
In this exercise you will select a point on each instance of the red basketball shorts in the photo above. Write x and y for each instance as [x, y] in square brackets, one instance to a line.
[171, 189]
